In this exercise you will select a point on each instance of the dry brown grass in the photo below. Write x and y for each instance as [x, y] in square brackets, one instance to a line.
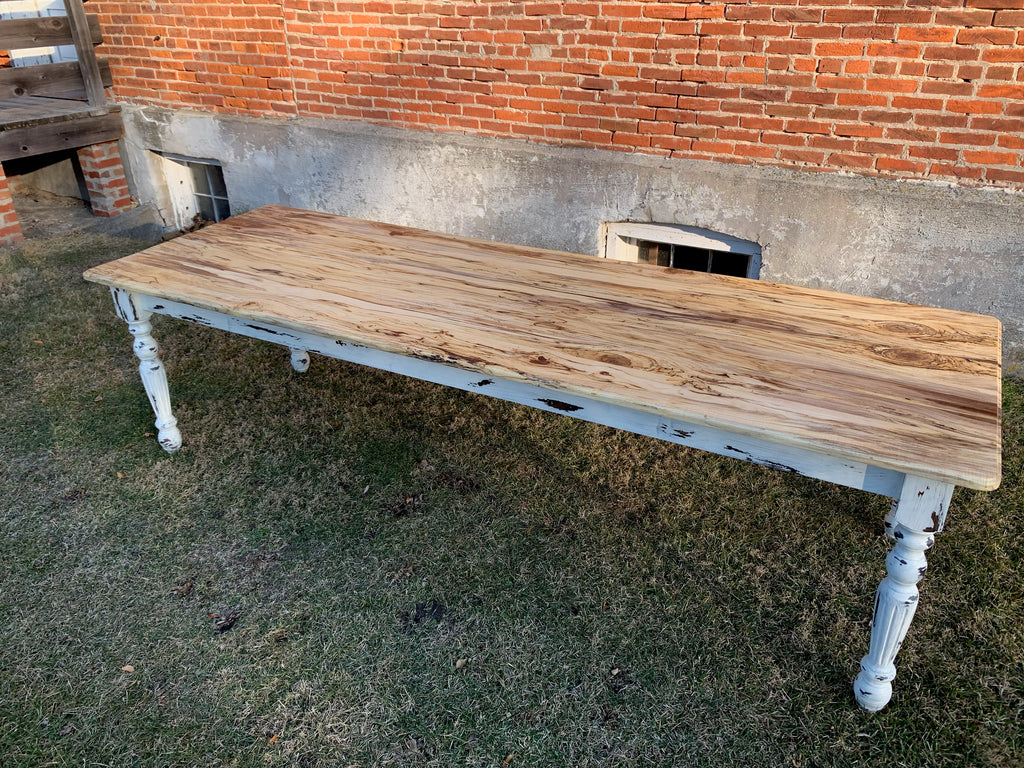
[427, 578]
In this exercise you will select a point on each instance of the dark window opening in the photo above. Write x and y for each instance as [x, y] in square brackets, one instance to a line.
[210, 191]
[694, 258]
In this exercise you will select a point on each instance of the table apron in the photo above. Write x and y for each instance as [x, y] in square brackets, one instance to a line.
[852, 474]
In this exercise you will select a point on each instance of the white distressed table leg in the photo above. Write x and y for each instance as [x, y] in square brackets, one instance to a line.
[151, 369]
[918, 515]
[890, 521]
[300, 359]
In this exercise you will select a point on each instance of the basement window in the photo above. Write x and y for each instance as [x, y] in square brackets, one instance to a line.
[210, 190]
[196, 189]
[680, 247]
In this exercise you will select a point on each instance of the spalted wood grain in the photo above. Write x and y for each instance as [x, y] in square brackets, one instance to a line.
[903, 387]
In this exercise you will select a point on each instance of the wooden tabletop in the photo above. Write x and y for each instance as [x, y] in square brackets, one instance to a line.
[903, 387]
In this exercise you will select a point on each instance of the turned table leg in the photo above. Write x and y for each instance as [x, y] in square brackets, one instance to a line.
[151, 369]
[915, 518]
[300, 359]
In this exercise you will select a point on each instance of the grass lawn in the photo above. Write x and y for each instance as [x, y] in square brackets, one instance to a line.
[416, 576]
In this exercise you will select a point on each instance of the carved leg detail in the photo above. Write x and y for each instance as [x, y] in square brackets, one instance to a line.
[895, 604]
[300, 360]
[154, 379]
[890, 520]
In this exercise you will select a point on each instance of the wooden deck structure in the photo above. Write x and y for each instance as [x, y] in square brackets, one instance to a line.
[48, 108]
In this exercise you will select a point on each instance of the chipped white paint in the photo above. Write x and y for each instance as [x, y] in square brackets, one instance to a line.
[300, 360]
[151, 369]
[895, 604]
[916, 515]
[898, 400]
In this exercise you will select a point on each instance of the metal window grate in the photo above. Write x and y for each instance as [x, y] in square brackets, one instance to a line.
[210, 191]
[681, 247]
[690, 257]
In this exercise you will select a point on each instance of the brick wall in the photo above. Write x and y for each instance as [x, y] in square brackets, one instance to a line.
[10, 228]
[902, 88]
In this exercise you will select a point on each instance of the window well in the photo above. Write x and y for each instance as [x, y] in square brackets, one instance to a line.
[681, 247]
[196, 189]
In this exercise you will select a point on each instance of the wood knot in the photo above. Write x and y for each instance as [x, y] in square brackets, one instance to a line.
[613, 358]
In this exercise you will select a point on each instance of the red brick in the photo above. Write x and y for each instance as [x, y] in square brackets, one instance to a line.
[986, 158]
[934, 153]
[10, 234]
[1011, 128]
[695, 131]
[803, 156]
[927, 34]
[878, 148]
[910, 135]
[841, 49]
[858, 129]
[902, 16]
[967, 139]
[710, 11]
[956, 171]
[917, 103]
[954, 88]
[1001, 91]
[899, 165]
[712, 147]
[752, 12]
[1003, 175]
[890, 85]
[994, 4]
[956, 53]
[842, 15]
[761, 31]
[851, 161]
[1002, 55]
[894, 50]
[974, 107]
[1001, 72]
[812, 97]
[987, 36]
[831, 143]
[962, 17]
[808, 126]
[673, 143]
[665, 11]
[1009, 18]
[753, 150]
[655, 127]
[856, 99]
[791, 14]
[817, 31]
[840, 83]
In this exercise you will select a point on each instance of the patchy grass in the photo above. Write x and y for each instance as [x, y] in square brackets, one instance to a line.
[424, 577]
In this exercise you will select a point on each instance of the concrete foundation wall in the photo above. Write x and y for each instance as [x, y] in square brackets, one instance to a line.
[920, 242]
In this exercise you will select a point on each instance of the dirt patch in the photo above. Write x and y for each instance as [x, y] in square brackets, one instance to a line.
[43, 214]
